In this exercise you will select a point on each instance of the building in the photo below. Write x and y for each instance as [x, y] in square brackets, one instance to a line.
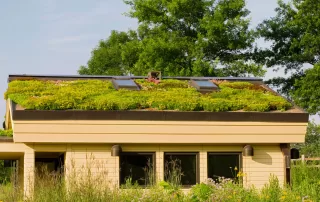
[211, 126]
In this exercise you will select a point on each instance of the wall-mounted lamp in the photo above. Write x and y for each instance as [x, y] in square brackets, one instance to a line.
[247, 150]
[294, 153]
[116, 150]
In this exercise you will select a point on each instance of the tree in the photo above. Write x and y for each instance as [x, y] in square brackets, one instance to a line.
[311, 147]
[107, 59]
[180, 38]
[295, 36]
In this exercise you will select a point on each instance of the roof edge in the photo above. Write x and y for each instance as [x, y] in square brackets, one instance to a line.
[13, 77]
[50, 115]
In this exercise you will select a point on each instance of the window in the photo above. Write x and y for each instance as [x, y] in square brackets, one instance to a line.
[204, 85]
[137, 167]
[223, 165]
[125, 83]
[181, 168]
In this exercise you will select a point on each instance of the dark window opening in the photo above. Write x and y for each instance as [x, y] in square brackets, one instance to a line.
[225, 165]
[49, 163]
[137, 168]
[181, 168]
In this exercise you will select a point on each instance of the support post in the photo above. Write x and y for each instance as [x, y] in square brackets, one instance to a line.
[29, 173]
[285, 149]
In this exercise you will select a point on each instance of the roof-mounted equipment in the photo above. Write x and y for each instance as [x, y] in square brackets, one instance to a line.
[204, 86]
[154, 76]
[122, 83]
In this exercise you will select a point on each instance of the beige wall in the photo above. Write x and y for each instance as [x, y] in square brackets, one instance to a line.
[267, 159]
[157, 132]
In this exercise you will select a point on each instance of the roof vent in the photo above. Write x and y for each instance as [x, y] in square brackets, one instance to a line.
[204, 86]
[128, 84]
[154, 76]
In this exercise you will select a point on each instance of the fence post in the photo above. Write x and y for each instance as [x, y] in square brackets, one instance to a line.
[302, 158]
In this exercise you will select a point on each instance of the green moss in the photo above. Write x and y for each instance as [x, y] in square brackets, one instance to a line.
[7, 133]
[168, 95]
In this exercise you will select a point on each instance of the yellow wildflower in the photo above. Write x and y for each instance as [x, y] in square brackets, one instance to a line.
[235, 168]
[283, 197]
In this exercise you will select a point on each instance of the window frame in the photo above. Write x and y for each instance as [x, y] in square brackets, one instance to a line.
[225, 153]
[153, 154]
[197, 154]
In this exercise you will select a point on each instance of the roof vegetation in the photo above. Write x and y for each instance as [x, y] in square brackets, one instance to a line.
[168, 95]
[7, 133]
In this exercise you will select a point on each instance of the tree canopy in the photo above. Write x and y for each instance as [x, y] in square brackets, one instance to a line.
[311, 147]
[295, 36]
[213, 38]
[180, 38]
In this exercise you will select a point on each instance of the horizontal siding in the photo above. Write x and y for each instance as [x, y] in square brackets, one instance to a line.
[95, 157]
[165, 129]
[267, 160]
[157, 132]
[158, 138]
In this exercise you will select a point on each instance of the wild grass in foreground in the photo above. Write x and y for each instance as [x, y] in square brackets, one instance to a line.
[87, 186]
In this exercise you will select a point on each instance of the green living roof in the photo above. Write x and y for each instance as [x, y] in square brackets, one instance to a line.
[169, 94]
[6, 133]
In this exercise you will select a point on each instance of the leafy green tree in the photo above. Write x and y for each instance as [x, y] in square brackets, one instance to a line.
[180, 38]
[311, 147]
[295, 36]
[107, 57]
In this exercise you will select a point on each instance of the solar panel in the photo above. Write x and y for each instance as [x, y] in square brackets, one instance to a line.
[125, 84]
[204, 85]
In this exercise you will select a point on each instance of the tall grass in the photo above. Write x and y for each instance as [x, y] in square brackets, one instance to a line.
[89, 183]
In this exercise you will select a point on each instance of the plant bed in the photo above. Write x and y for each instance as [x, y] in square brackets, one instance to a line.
[169, 94]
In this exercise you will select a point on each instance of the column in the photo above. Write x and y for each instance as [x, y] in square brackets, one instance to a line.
[29, 172]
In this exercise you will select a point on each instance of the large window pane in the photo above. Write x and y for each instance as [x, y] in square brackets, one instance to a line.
[181, 168]
[223, 165]
[137, 167]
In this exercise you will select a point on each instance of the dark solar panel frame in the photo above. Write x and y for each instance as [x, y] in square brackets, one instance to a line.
[128, 84]
[204, 86]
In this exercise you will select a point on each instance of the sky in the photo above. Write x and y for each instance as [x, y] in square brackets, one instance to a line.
[57, 36]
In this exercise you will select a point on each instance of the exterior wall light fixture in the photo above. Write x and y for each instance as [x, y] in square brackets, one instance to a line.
[116, 150]
[247, 150]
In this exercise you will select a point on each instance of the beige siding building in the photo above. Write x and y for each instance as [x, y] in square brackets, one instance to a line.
[119, 143]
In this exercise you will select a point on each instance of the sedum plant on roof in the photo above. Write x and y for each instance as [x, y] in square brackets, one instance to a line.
[6, 133]
[168, 95]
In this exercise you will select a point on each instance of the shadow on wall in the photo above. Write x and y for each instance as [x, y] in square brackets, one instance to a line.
[262, 157]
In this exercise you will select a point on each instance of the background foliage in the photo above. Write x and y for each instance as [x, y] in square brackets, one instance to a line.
[180, 38]
[213, 38]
